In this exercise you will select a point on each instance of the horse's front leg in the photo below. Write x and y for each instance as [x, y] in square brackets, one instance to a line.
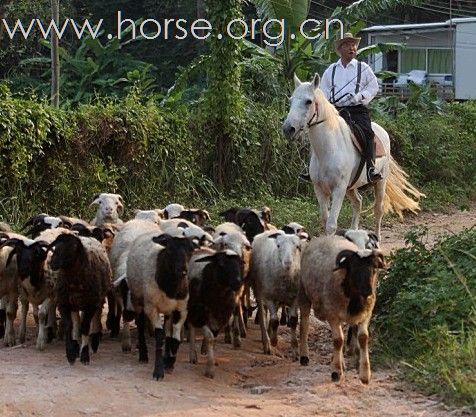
[337, 198]
[356, 201]
[323, 200]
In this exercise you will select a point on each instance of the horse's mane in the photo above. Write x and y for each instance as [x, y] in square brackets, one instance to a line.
[326, 110]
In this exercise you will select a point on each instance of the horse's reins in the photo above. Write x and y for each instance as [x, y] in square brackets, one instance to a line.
[310, 123]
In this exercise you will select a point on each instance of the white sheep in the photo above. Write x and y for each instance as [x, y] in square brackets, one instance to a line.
[274, 275]
[110, 207]
[338, 280]
[173, 210]
[155, 215]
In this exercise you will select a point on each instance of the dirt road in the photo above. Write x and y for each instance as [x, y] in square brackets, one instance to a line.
[247, 383]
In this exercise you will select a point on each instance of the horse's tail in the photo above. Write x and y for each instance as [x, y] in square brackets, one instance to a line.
[400, 195]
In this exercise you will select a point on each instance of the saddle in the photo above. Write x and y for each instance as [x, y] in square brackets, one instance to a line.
[358, 141]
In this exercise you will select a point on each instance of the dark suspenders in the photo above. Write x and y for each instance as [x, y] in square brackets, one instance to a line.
[357, 84]
[359, 74]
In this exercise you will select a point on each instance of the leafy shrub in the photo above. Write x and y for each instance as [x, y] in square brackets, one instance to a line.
[426, 313]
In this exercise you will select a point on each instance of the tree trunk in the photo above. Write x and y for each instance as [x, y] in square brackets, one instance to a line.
[4, 14]
[55, 63]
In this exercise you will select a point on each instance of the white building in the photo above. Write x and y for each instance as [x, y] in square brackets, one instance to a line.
[445, 50]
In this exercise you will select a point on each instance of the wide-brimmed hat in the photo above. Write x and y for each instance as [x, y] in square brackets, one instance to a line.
[348, 37]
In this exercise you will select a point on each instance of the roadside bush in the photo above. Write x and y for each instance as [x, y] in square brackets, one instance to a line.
[426, 314]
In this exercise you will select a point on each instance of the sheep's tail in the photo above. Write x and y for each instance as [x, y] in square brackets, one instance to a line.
[400, 194]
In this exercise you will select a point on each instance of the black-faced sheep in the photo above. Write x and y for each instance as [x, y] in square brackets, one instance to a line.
[157, 275]
[41, 222]
[83, 278]
[215, 283]
[230, 236]
[9, 283]
[109, 208]
[339, 281]
[274, 275]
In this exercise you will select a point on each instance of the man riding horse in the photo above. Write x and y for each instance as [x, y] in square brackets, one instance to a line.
[350, 85]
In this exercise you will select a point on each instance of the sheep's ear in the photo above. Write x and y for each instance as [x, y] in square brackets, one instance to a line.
[373, 239]
[288, 230]
[342, 259]
[11, 255]
[183, 225]
[96, 201]
[274, 235]
[297, 81]
[316, 80]
[3, 238]
[341, 232]
[160, 213]
[162, 240]
[108, 233]
[205, 214]
[208, 258]
[379, 259]
[120, 207]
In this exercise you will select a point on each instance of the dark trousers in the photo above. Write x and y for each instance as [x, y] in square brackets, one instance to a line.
[359, 115]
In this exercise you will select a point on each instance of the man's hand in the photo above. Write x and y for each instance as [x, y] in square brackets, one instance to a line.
[355, 99]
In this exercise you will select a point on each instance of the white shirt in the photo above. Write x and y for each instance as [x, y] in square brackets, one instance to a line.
[348, 75]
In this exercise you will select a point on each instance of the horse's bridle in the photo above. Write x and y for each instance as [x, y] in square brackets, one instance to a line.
[310, 123]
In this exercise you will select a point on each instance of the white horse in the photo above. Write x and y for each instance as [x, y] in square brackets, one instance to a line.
[335, 160]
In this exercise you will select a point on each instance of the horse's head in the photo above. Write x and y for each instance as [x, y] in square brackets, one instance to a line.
[302, 107]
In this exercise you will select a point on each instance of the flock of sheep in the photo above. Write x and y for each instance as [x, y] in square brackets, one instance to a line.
[172, 274]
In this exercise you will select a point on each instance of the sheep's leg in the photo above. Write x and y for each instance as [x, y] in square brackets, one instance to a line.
[241, 319]
[12, 307]
[227, 332]
[140, 321]
[305, 310]
[126, 336]
[85, 327]
[264, 332]
[353, 344]
[72, 346]
[364, 361]
[155, 320]
[293, 321]
[273, 322]
[338, 356]
[51, 329]
[75, 316]
[112, 314]
[25, 305]
[3, 316]
[210, 342]
[42, 319]
[191, 340]
[237, 315]
[172, 343]
[356, 201]
[36, 314]
[96, 332]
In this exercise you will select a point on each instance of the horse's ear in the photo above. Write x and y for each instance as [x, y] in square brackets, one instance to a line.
[297, 81]
[316, 80]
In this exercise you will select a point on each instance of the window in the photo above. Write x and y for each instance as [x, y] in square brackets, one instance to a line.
[432, 60]
[412, 59]
[440, 61]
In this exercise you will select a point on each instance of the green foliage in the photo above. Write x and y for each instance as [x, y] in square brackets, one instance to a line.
[94, 68]
[426, 314]
[437, 150]
[220, 112]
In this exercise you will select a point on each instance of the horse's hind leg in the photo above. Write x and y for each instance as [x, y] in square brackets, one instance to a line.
[379, 188]
[356, 201]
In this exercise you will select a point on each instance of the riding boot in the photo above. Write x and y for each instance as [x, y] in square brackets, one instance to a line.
[372, 175]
